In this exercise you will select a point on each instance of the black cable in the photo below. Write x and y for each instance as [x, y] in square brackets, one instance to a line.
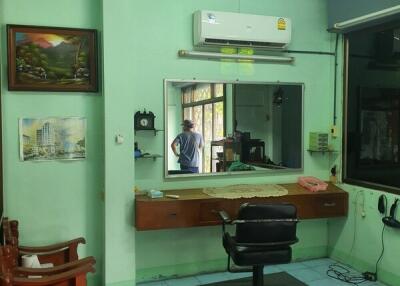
[341, 273]
[382, 252]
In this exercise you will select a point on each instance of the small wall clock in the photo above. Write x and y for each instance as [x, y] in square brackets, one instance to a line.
[144, 120]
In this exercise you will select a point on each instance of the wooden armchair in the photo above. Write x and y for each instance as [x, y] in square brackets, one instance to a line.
[68, 270]
[57, 254]
[68, 274]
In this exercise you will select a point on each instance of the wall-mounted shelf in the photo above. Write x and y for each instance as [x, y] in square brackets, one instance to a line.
[322, 151]
[152, 130]
[150, 156]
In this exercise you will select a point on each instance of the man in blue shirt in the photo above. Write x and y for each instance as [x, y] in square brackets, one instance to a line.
[190, 143]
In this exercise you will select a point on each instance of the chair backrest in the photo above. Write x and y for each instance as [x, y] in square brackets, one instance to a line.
[10, 232]
[266, 232]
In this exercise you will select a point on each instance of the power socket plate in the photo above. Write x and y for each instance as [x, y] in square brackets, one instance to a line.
[334, 131]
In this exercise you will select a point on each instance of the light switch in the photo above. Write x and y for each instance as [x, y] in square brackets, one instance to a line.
[119, 139]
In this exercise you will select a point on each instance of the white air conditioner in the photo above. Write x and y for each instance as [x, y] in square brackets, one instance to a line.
[236, 29]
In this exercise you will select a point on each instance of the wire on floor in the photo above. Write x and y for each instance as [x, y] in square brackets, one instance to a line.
[342, 273]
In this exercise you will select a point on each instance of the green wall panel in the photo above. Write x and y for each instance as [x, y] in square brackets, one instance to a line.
[159, 34]
[58, 200]
[119, 108]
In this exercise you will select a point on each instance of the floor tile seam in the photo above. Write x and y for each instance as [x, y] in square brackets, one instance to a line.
[291, 269]
[309, 279]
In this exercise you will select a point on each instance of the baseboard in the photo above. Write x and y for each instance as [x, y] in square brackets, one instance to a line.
[218, 265]
[386, 277]
[180, 270]
[122, 283]
[303, 254]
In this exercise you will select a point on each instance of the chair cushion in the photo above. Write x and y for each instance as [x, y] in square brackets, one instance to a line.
[255, 255]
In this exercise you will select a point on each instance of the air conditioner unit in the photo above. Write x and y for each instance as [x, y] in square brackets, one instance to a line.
[237, 29]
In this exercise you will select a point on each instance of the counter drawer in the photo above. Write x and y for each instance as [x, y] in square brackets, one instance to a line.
[160, 215]
[330, 206]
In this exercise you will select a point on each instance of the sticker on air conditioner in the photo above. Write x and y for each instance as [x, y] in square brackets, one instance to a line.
[281, 24]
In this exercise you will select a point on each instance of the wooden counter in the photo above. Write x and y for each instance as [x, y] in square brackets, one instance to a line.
[194, 208]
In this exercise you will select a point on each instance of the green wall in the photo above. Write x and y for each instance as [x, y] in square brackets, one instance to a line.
[58, 200]
[140, 44]
[180, 252]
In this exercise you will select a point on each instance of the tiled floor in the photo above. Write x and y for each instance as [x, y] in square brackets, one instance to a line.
[312, 273]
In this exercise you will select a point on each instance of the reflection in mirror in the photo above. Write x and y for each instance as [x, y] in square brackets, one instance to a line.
[224, 127]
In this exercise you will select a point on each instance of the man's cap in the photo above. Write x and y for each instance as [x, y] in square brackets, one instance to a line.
[188, 123]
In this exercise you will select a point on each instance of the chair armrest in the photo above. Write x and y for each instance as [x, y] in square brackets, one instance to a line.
[56, 269]
[224, 217]
[50, 248]
[53, 279]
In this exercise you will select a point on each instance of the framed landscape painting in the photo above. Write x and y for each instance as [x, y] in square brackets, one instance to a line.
[51, 59]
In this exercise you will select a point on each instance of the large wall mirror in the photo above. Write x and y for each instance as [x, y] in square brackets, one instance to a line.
[215, 128]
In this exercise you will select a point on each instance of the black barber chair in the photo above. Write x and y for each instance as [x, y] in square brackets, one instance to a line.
[264, 234]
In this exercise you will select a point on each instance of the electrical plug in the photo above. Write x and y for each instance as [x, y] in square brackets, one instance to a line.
[370, 276]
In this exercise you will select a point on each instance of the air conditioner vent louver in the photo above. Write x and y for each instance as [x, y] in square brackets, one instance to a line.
[236, 29]
[243, 43]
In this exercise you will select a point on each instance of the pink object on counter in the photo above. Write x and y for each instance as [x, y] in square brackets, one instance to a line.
[312, 184]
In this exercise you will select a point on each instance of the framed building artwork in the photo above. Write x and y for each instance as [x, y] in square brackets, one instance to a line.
[51, 59]
[53, 138]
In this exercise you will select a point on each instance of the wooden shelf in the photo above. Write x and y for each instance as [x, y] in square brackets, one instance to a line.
[150, 156]
[153, 130]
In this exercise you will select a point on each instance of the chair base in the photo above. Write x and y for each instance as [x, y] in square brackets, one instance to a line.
[275, 279]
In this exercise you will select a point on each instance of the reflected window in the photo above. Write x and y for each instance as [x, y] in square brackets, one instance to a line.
[203, 103]
[202, 92]
[219, 90]
[187, 113]
[187, 95]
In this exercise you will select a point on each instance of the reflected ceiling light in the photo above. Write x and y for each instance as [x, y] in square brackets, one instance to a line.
[210, 55]
[367, 18]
